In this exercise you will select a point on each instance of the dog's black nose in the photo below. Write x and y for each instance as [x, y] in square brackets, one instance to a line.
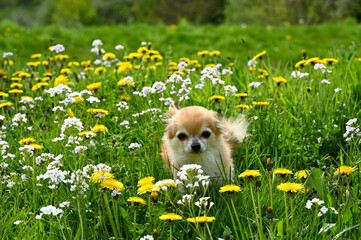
[196, 147]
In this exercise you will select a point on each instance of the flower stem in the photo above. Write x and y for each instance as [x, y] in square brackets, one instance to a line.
[110, 216]
[286, 210]
[291, 217]
[255, 211]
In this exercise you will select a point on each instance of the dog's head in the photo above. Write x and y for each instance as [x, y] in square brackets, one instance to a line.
[194, 129]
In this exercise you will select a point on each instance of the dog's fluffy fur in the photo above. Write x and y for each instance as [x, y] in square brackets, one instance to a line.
[195, 135]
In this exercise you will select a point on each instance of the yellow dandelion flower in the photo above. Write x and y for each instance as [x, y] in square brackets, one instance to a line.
[70, 113]
[125, 98]
[216, 98]
[201, 219]
[89, 69]
[4, 94]
[145, 181]
[291, 187]
[36, 55]
[62, 79]
[16, 85]
[184, 59]
[27, 140]
[101, 176]
[146, 188]
[39, 85]
[65, 71]
[156, 58]
[230, 188]
[94, 86]
[36, 146]
[282, 171]
[78, 99]
[202, 53]
[99, 128]
[87, 134]
[124, 67]
[154, 195]
[33, 64]
[142, 50]
[260, 103]
[61, 57]
[312, 60]
[250, 173]
[15, 91]
[259, 55]
[100, 70]
[5, 104]
[172, 64]
[75, 64]
[137, 200]
[86, 63]
[109, 56]
[330, 60]
[242, 106]
[345, 170]
[98, 111]
[112, 184]
[170, 217]
[16, 79]
[279, 80]
[302, 174]
[125, 82]
[214, 53]
[242, 95]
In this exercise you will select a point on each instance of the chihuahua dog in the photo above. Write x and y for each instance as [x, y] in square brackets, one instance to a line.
[195, 135]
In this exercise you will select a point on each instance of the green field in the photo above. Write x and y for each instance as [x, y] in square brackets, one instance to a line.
[56, 188]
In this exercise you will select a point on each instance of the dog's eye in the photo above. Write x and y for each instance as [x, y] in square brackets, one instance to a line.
[206, 134]
[182, 136]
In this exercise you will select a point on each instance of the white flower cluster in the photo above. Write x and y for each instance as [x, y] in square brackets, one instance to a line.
[72, 122]
[322, 67]
[151, 110]
[57, 48]
[128, 79]
[325, 81]
[213, 74]
[122, 105]
[147, 237]
[92, 99]
[229, 89]
[26, 100]
[203, 203]
[134, 145]
[58, 90]
[163, 185]
[191, 177]
[255, 84]
[19, 118]
[186, 200]
[50, 210]
[55, 177]
[352, 130]
[318, 202]
[6, 54]
[298, 74]
[97, 47]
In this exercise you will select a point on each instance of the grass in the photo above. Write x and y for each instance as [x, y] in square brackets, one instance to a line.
[302, 128]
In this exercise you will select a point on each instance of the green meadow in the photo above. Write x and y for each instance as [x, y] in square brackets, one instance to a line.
[82, 115]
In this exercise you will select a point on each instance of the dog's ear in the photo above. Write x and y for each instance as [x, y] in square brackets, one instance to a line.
[217, 126]
[173, 109]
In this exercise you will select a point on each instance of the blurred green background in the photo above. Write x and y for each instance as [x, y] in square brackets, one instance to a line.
[100, 12]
